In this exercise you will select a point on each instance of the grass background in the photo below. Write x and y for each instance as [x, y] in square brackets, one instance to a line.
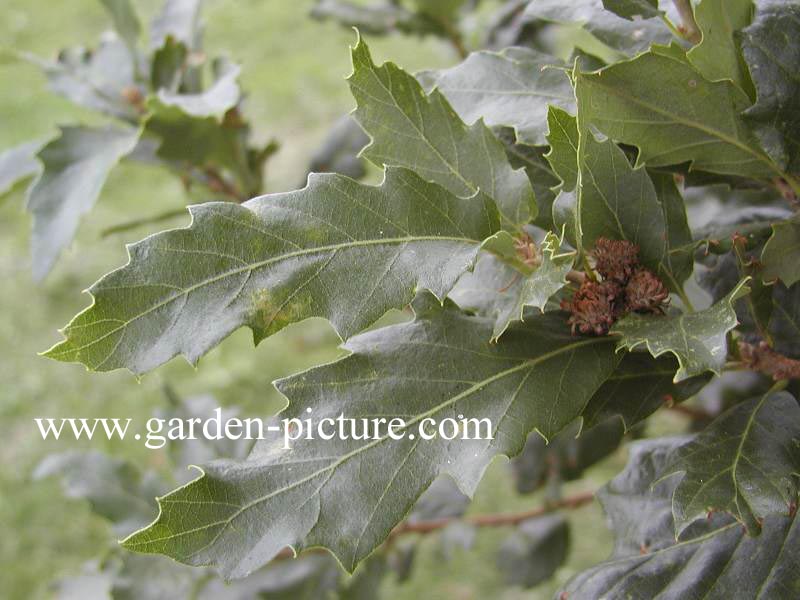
[294, 70]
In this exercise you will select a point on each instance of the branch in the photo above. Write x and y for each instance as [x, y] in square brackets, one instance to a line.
[763, 359]
[489, 520]
[688, 26]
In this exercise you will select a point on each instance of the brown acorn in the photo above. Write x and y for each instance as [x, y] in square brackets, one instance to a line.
[615, 259]
[645, 292]
[594, 307]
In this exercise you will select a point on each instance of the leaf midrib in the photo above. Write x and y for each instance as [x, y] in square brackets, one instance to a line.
[344, 458]
[249, 268]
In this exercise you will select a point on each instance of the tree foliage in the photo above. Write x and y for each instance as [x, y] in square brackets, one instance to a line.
[533, 213]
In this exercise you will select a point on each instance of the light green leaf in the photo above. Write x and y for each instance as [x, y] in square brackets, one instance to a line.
[745, 463]
[512, 88]
[179, 19]
[375, 19]
[335, 249]
[633, 9]
[640, 386]
[562, 135]
[771, 47]
[714, 559]
[114, 487]
[781, 255]
[623, 35]
[125, 20]
[215, 101]
[75, 167]
[347, 494]
[717, 57]
[422, 132]
[501, 292]
[19, 162]
[698, 340]
[661, 104]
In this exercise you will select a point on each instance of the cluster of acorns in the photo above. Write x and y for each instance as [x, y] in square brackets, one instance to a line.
[625, 287]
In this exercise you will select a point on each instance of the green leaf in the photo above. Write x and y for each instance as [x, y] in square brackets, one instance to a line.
[125, 20]
[717, 57]
[215, 101]
[346, 494]
[542, 178]
[623, 35]
[781, 255]
[677, 264]
[422, 132]
[97, 79]
[512, 88]
[771, 47]
[439, 9]
[18, 163]
[376, 19]
[715, 559]
[640, 386]
[661, 104]
[633, 9]
[784, 323]
[75, 168]
[335, 249]
[499, 291]
[745, 463]
[115, 488]
[562, 135]
[534, 552]
[698, 340]
[566, 456]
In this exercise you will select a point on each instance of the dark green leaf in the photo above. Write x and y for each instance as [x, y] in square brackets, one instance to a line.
[75, 168]
[784, 323]
[771, 46]
[781, 254]
[567, 455]
[512, 88]
[340, 150]
[696, 121]
[542, 178]
[275, 260]
[715, 559]
[745, 463]
[346, 494]
[698, 339]
[534, 552]
[639, 387]
[633, 9]
[422, 132]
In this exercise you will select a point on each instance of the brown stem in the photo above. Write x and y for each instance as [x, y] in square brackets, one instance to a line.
[688, 26]
[763, 359]
[490, 520]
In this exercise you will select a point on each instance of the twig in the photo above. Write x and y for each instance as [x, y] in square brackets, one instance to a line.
[763, 359]
[688, 26]
[489, 520]
[170, 214]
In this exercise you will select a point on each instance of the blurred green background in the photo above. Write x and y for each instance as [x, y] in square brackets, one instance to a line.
[293, 70]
